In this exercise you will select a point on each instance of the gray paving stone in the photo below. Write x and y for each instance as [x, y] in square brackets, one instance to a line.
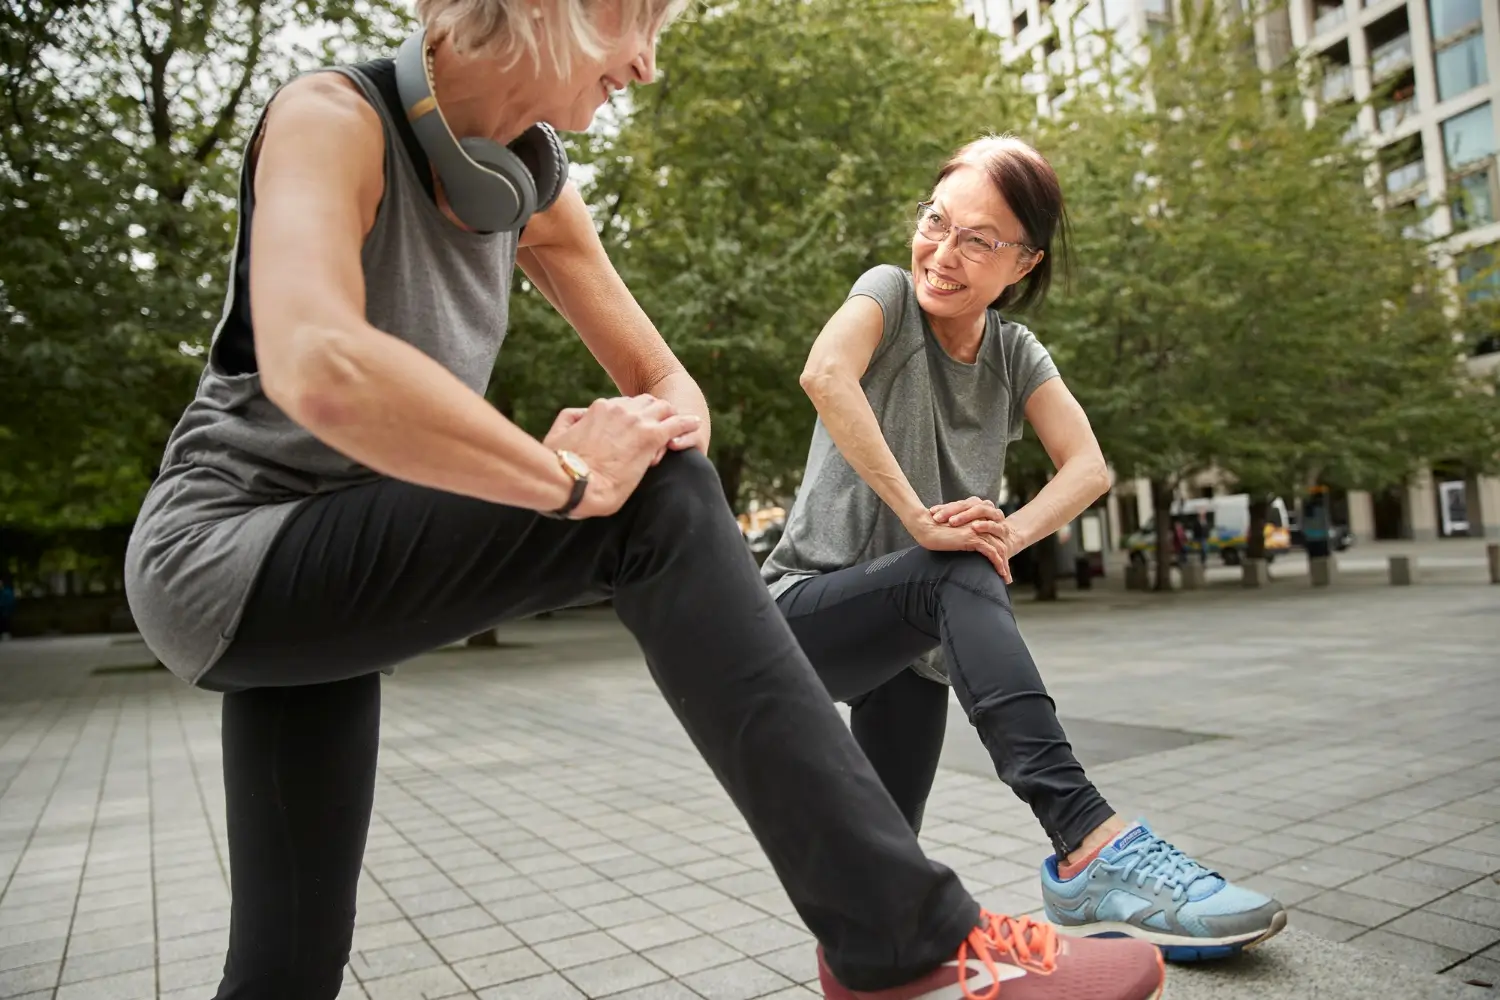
[551, 927]
[668, 990]
[1438, 876]
[740, 981]
[1470, 906]
[549, 987]
[1435, 928]
[32, 953]
[128, 986]
[1395, 890]
[1352, 908]
[1421, 955]
[371, 937]
[692, 955]
[189, 973]
[1332, 928]
[377, 963]
[29, 978]
[581, 949]
[641, 935]
[426, 984]
[100, 964]
[615, 975]
[501, 967]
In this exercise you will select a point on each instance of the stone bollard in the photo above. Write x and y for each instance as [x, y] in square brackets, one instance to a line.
[1403, 571]
[1192, 575]
[1320, 568]
[1493, 550]
[1256, 573]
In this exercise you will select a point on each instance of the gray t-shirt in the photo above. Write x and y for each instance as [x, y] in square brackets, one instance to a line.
[236, 466]
[947, 423]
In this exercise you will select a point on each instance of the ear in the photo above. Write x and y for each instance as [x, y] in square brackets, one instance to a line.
[1024, 267]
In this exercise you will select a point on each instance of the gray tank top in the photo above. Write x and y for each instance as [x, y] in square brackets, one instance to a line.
[236, 466]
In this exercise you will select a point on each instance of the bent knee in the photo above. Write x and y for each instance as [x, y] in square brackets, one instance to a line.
[684, 482]
[972, 572]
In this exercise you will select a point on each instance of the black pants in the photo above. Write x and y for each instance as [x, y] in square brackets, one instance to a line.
[366, 577]
[862, 627]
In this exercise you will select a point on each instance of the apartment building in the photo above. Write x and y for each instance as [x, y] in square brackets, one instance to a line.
[1429, 73]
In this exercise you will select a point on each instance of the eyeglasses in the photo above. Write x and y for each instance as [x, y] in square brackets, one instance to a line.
[971, 243]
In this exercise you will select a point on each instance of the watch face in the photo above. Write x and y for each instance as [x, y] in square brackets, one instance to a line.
[576, 466]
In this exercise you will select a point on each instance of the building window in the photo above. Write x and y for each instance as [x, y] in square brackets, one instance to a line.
[1461, 67]
[1474, 199]
[1454, 17]
[1477, 274]
[1469, 137]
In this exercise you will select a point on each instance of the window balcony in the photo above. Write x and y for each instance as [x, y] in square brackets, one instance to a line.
[1405, 179]
[1329, 18]
[1392, 57]
[1390, 117]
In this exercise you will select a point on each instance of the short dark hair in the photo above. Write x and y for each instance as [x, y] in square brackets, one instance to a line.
[1030, 187]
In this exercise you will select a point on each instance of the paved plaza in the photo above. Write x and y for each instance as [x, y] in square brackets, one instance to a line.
[544, 829]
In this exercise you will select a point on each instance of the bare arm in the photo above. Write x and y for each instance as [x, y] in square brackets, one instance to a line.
[362, 391]
[1082, 475]
[561, 254]
[831, 380]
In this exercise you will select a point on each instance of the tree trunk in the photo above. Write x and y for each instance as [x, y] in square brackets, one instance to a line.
[730, 464]
[1161, 507]
[1255, 534]
[1046, 569]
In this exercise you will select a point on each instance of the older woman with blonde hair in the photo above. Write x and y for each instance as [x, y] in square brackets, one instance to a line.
[338, 497]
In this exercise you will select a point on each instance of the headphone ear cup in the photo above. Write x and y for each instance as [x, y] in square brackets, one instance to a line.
[501, 214]
[542, 150]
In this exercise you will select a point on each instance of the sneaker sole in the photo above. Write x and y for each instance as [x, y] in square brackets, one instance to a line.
[1178, 949]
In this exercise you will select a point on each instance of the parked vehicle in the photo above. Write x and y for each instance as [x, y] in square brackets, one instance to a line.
[1228, 527]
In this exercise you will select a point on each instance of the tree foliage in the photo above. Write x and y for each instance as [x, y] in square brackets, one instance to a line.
[781, 153]
[1241, 304]
[120, 133]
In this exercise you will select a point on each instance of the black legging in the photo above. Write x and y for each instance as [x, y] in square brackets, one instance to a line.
[367, 577]
[861, 627]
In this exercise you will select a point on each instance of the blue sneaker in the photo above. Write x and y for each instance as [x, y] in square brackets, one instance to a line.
[1140, 886]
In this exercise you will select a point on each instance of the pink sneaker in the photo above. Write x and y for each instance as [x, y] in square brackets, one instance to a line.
[1018, 958]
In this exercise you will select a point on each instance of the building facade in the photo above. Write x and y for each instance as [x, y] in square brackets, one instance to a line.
[1428, 73]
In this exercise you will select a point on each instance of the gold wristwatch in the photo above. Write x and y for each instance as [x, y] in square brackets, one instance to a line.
[578, 470]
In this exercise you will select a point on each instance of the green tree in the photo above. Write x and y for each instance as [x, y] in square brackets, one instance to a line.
[121, 128]
[781, 153]
[1243, 305]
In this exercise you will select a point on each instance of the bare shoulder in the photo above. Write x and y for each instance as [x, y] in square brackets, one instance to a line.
[321, 132]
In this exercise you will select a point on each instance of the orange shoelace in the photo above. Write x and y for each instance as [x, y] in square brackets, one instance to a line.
[1032, 943]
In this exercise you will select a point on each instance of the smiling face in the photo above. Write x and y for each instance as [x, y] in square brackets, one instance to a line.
[628, 56]
[960, 275]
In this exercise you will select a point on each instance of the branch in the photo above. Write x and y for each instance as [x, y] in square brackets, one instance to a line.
[231, 106]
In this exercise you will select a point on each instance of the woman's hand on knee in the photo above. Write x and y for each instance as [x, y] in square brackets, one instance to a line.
[619, 439]
[961, 512]
[970, 537]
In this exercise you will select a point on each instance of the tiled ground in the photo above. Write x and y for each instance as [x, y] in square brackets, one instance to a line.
[544, 830]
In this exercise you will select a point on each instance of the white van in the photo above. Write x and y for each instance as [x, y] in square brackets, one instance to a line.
[1229, 523]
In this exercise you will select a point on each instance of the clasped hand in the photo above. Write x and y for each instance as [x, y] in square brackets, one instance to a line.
[620, 439]
[972, 525]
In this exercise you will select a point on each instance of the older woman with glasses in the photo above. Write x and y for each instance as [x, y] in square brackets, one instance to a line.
[893, 567]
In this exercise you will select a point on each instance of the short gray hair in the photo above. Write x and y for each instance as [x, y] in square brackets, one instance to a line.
[560, 31]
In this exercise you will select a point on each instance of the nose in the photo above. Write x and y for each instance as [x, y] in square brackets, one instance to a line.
[947, 248]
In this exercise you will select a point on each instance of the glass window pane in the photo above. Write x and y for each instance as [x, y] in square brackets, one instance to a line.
[1461, 67]
[1474, 200]
[1449, 17]
[1469, 136]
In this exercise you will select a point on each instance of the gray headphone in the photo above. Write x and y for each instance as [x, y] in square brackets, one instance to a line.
[490, 187]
